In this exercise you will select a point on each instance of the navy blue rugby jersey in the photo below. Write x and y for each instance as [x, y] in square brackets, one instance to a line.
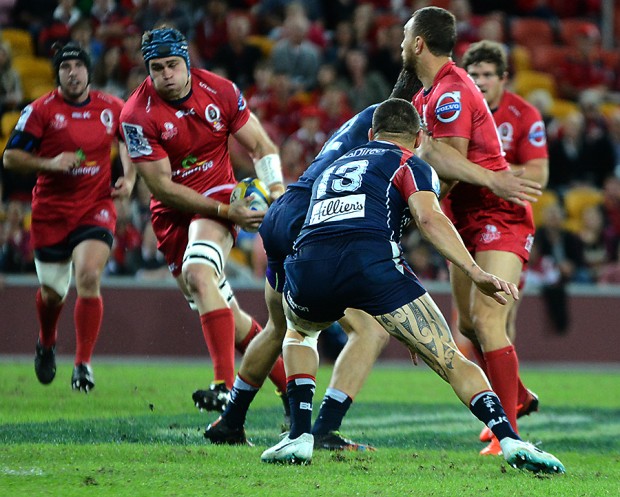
[351, 134]
[366, 192]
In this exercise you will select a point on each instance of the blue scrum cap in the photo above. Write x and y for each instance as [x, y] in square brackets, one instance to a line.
[164, 42]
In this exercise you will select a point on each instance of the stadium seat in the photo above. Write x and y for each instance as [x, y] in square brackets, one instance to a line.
[562, 108]
[262, 42]
[525, 82]
[549, 58]
[608, 109]
[20, 41]
[521, 58]
[571, 28]
[8, 122]
[531, 32]
[34, 72]
[576, 200]
[548, 197]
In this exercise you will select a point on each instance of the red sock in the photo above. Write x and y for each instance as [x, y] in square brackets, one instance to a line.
[218, 328]
[88, 314]
[48, 321]
[522, 392]
[277, 374]
[503, 371]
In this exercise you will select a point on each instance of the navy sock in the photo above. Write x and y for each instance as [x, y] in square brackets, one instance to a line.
[300, 391]
[488, 409]
[241, 396]
[333, 409]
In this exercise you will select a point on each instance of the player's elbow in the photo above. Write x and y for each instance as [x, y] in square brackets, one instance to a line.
[9, 159]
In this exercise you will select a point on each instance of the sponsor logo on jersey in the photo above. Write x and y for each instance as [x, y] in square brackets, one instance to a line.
[183, 113]
[448, 106]
[337, 209]
[537, 135]
[491, 234]
[107, 119]
[137, 144]
[241, 103]
[189, 161]
[212, 115]
[59, 122]
[170, 131]
[506, 134]
[207, 87]
[81, 115]
[103, 215]
[293, 305]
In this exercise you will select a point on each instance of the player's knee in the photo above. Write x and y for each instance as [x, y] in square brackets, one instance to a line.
[87, 280]
[201, 256]
[302, 341]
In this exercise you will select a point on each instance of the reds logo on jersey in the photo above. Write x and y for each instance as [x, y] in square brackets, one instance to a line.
[212, 114]
[537, 135]
[448, 106]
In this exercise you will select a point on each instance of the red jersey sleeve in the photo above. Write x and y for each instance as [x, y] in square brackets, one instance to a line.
[450, 113]
[33, 120]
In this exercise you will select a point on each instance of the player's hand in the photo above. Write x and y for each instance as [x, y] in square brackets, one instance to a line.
[122, 188]
[509, 185]
[65, 161]
[494, 287]
[240, 214]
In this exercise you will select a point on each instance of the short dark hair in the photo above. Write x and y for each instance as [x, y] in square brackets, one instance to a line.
[438, 28]
[486, 51]
[396, 116]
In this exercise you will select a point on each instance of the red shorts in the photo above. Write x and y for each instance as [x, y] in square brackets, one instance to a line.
[171, 228]
[51, 226]
[506, 227]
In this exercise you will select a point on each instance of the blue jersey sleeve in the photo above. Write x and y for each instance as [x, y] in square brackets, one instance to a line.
[350, 135]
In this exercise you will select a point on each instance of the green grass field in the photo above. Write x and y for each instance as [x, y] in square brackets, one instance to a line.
[138, 434]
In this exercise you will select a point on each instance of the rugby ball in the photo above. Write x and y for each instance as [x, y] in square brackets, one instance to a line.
[255, 188]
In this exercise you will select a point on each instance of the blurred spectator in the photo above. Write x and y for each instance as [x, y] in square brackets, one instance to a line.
[131, 54]
[342, 41]
[363, 87]
[336, 109]
[595, 245]
[125, 255]
[584, 67]
[363, 22]
[210, 30]
[16, 253]
[295, 56]
[58, 29]
[292, 158]
[82, 34]
[309, 135]
[562, 246]
[168, 12]
[107, 74]
[576, 157]
[259, 93]
[336, 11]
[238, 57]
[610, 272]
[312, 8]
[151, 265]
[110, 21]
[614, 138]
[6, 12]
[67, 13]
[282, 108]
[543, 101]
[388, 59]
[11, 93]
[611, 210]
[134, 79]
[34, 15]
[426, 263]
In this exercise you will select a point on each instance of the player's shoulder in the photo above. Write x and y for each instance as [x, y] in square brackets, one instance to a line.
[211, 82]
[47, 101]
[99, 97]
[520, 104]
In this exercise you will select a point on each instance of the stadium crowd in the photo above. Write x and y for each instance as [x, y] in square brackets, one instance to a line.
[306, 67]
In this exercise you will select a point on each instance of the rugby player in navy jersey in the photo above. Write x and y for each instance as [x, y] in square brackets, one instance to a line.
[366, 338]
[348, 256]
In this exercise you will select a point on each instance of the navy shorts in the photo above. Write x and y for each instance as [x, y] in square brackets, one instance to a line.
[279, 229]
[326, 277]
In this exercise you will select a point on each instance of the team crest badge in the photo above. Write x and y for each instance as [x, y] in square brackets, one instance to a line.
[212, 115]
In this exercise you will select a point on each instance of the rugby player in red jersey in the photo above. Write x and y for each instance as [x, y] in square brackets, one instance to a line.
[177, 124]
[498, 233]
[66, 137]
[522, 132]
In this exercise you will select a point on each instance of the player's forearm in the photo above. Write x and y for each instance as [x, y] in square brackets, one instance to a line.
[438, 230]
[451, 165]
[185, 199]
[129, 170]
[535, 170]
[25, 162]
